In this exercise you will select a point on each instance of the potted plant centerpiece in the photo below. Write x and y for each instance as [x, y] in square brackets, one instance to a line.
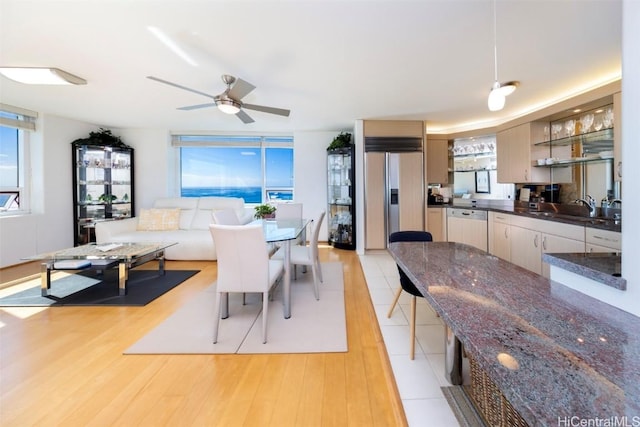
[264, 211]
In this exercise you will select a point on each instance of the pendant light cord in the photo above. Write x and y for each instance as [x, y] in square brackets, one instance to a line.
[495, 42]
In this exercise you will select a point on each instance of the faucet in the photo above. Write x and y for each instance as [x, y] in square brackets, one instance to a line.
[615, 201]
[589, 202]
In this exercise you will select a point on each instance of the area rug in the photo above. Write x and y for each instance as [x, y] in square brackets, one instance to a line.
[315, 325]
[462, 407]
[87, 288]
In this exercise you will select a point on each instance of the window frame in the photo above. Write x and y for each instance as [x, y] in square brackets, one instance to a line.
[238, 140]
[24, 121]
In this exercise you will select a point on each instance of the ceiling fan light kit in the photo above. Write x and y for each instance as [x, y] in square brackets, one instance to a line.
[498, 92]
[228, 106]
[229, 101]
[41, 76]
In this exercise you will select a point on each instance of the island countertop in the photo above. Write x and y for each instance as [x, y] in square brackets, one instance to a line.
[570, 355]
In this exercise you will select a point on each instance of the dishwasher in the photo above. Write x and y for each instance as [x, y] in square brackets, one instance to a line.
[467, 226]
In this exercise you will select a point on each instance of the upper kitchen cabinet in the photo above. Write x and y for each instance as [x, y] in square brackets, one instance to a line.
[438, 166]
[516, 151]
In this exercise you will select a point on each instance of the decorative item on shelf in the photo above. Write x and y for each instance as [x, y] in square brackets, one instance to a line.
[341, 141]
[264, 211]
[107, 198]
[125, 198]
[101, 137]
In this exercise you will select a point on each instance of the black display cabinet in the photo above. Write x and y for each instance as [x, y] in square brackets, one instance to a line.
[341, 194]
[102, 185]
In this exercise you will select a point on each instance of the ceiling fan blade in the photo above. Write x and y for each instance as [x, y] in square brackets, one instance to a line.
[180, 86]
[244, 117]
[270, 110]
[240, 89]
[195, 107]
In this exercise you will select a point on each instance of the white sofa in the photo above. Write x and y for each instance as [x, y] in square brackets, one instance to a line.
[192, 233]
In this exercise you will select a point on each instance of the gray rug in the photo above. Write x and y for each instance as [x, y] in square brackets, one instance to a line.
[88, 288]
[314, 327]
[462, 407]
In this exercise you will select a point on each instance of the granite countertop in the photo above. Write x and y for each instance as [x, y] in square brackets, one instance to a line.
[509, 208]
[602, 267]
[571, 355]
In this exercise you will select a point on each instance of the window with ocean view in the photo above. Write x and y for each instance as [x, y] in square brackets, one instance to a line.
[258, 169]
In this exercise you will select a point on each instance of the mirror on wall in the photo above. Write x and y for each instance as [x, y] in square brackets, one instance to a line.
[474, 165]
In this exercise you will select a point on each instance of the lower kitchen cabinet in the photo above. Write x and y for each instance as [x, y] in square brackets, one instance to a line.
[499, 236]
[597, 240]
[437, 224]
[526, 248]
[522, 241]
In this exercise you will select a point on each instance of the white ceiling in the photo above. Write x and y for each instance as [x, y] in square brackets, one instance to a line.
[329, 62]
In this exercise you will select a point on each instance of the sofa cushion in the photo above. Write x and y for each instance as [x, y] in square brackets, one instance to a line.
[158, 219]
[187, 205]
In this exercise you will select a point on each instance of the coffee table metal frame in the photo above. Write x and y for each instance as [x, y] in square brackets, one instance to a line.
[126, 257]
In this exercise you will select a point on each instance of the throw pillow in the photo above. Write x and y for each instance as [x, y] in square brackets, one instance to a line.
[158, 219]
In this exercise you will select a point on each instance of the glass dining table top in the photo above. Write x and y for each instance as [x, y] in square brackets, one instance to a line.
[278, 230]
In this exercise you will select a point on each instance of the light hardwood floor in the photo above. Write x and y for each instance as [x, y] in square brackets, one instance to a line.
[64, 366]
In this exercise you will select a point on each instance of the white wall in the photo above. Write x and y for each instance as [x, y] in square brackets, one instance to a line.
[310, 168]
[50, 226]
[630, 301]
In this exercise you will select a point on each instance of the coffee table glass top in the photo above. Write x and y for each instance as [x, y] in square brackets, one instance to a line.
[113, 251]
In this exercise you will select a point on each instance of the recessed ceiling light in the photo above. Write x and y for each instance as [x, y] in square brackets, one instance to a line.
[577, 110]
[41, 76]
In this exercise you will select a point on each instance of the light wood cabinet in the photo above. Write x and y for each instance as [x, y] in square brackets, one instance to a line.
[374, 201]
[437, 224]
[499, 235]
[437, 161]
[603, 240]
[526, 248]
[523, 240]
[516, 151]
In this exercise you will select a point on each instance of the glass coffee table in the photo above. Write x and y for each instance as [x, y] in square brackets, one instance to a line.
[101, 257]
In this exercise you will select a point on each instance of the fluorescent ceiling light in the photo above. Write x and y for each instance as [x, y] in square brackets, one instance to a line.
[41, 76]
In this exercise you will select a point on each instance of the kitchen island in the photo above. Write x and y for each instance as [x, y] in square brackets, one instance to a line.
[553, 352]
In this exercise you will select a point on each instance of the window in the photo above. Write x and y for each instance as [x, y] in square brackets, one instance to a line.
[14, 161]
[258, 169]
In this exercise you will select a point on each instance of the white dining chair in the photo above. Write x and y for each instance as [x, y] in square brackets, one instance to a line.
[289, 211]
[225, 217]
[243, 266]
[307, 255]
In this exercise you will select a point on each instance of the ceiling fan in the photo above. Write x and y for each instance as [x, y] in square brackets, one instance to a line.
[229, 101]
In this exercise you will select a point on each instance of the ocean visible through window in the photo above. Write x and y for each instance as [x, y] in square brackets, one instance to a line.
[257, 172]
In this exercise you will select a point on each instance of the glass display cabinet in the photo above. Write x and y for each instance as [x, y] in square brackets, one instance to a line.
[341, 209]
[102, 186]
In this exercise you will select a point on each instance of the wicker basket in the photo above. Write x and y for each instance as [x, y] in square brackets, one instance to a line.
[490, 402]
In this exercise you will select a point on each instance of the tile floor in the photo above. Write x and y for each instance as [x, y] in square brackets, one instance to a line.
[418, 380]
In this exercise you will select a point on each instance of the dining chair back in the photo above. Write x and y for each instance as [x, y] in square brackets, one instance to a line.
[289, 211]
[308, 255]
[225, 217]
[243, 266]
[405, 283]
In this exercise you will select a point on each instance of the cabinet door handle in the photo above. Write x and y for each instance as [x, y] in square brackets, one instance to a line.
[619, 169]
[544, 243]
[526, 175]
[506, 233]
[535, 241]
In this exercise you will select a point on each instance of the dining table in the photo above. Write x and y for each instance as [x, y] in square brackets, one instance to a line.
[284, 231]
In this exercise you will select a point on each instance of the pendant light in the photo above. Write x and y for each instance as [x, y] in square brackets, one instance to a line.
[498, 92]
